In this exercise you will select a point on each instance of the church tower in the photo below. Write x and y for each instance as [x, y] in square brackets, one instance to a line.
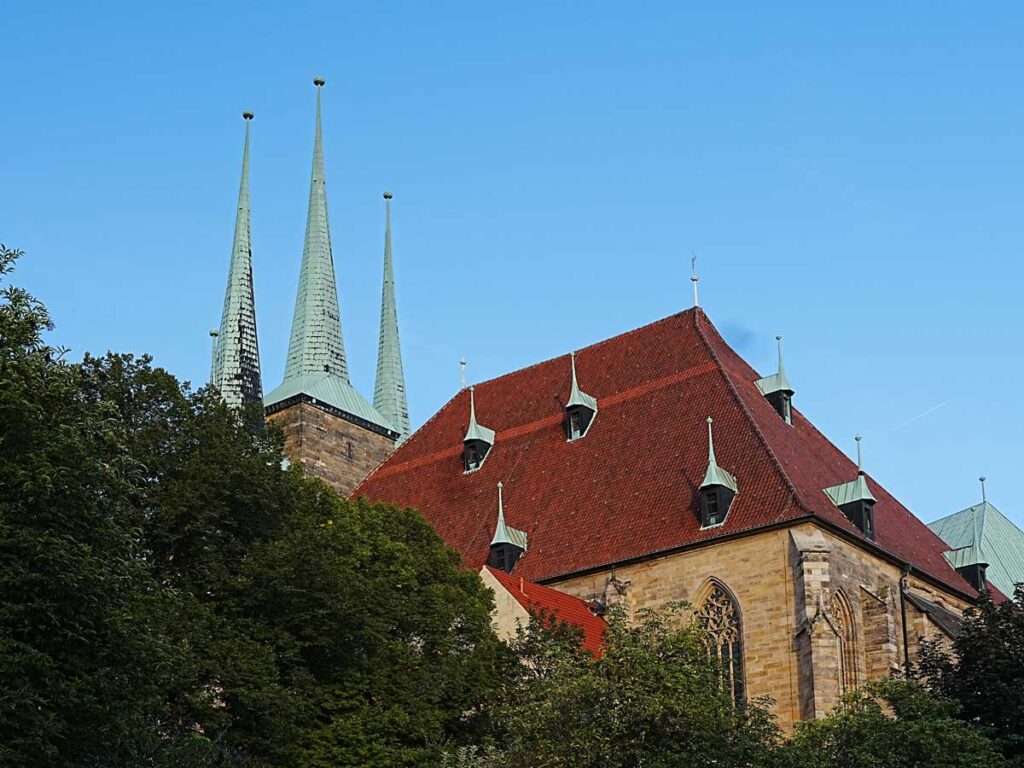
[328, 426]
[235, 370]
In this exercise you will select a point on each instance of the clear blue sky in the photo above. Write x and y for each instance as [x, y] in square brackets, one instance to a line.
[852, 179]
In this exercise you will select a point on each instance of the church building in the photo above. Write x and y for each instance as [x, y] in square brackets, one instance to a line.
[656, 467]
[653, 467]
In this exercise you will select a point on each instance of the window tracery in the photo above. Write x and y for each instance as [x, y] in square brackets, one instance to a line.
[720, 617]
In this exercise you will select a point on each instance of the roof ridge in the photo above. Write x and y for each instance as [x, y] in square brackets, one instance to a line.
[794, 496]
[577, 350]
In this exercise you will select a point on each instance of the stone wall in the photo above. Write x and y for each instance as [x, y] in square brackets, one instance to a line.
[785, 582]
[329, 447]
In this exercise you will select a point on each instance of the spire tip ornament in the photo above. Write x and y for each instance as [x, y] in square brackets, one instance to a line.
[319, 82]
[248, 115]
[388, 195]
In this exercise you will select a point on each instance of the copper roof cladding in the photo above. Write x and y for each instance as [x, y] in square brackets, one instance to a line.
[629, 490]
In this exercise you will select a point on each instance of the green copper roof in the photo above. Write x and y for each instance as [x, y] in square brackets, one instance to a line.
[855, 490]
[982, 533]
[715, 474]
[316, 344]
[332, 391]
[777, 382]
[506, 534]
[576, 395]
[476, 431]
[236, 357]
[389, 393]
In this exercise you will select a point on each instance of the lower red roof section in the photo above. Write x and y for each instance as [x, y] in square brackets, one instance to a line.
[628, 489]
[536, 598]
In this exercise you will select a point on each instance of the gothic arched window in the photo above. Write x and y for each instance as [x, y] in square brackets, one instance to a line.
[847, 639]
[720, 617]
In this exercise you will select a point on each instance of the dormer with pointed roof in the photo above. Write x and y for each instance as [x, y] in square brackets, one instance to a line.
[508, 544]
[855, 498]
[777, 389]
[389, 393]
[236, 353]
[717, 490]
[478, 440]
[580, 409]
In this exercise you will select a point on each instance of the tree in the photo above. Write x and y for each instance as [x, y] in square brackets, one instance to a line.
[653, 698]
[891, 723]
[170, 596]
[81, 641]
[984, 672]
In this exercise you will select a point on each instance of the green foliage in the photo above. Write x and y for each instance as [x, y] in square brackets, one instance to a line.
[891, 723]
[654, 698]
[170, 596]
[984, 673]
[81, 618]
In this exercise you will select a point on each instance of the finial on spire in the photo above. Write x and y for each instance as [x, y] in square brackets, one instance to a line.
[462, 373]
[248, 115]
[213, 358]
[319, 82]
[694, 278]
[711, 442]
[982, 480]
[860, 460]
[388, 195]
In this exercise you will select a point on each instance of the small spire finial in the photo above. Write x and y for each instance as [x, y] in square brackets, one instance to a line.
[462, 372]
[694, 278]
[711, 442]
[982, 480]
[247, 115]
[319, 82]
[860, 461]
[388, 195]
[501, 507]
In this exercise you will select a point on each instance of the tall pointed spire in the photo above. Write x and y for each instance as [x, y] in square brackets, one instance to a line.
[236, 357]
[389, 394]
[316, 344]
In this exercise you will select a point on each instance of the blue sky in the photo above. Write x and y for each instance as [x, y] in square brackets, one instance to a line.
[850, 178]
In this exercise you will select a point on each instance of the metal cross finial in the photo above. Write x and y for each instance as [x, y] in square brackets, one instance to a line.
[694, 278]
[462, 372]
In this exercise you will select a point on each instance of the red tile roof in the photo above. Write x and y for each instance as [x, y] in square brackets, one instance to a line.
[572, 610]
[629, 487]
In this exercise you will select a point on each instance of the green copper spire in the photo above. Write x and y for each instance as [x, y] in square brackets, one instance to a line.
[715, 475]
[504, 533]
[315, 371]
[389, 394]
[316, 344]
[236, 355]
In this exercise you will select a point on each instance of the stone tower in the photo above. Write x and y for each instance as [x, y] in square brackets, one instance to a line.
[328, 426]
[235, 370]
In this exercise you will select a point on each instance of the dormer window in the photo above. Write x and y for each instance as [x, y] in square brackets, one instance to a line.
[717, 491]
[478, 440]
[777, 390]
[508, 544]
[580, 408]
[855, 500]
[473, 455]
